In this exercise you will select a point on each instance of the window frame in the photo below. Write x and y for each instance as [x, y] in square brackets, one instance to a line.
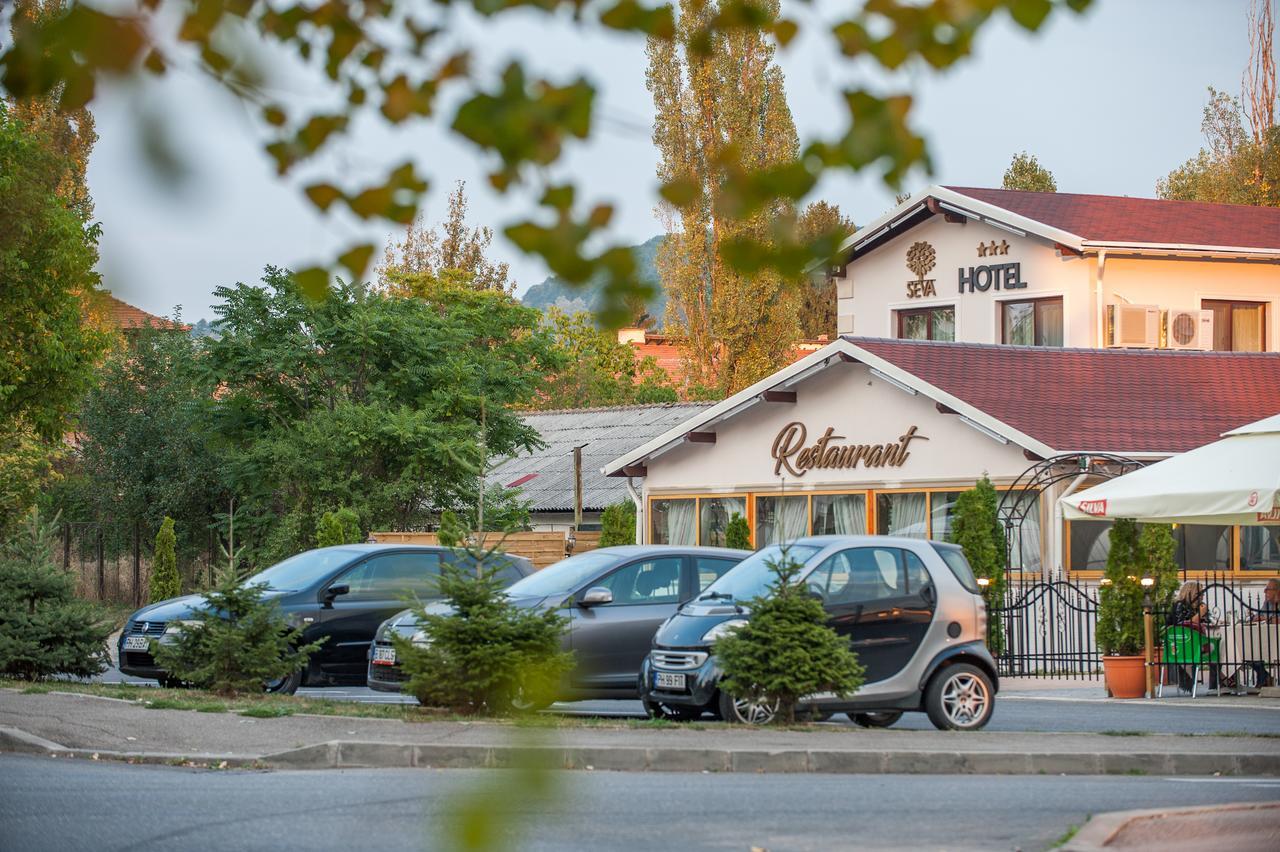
[684, 567]
[359, 597]
[927, 311]
[1207, 304]
[1035, 304]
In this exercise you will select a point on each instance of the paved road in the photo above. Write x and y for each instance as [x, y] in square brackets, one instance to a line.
[72, 805]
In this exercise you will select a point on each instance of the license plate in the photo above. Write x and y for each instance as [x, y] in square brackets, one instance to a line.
[667, 680]
[137, 643]
[384, 656]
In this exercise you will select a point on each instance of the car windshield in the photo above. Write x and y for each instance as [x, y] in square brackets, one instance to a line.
[565, 576]
[299, 572]
[751, 577]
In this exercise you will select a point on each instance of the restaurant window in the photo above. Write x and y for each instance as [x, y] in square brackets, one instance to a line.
[903, 514]
[1090, 543]
[839, 514]
[714, 514]
[1238, 326]
[928, 324]
[673, 522]
[942, 513]
[1260, 549]
[1201, 547]
[1034, 322]
[780, 519]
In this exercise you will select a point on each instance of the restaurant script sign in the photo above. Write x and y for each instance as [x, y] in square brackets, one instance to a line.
[792, 452]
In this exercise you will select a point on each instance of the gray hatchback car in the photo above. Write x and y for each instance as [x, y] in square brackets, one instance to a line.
[615, 598]
[911, 609]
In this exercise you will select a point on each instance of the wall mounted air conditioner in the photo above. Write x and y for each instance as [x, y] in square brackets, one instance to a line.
[1135, 326]
[1188, 329]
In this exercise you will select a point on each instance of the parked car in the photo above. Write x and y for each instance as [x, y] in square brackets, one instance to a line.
[339, 594]
[911, 609]
[616, 596]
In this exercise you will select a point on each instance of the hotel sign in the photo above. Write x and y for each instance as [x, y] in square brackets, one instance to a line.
[1001, 276]
[792, 452]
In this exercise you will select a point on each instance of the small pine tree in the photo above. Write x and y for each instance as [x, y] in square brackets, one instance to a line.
[239, 643]
[164, 565]
[1119, 630]
[338, 527]
[451, 532]
[975, 526]
[786, 651]
[737, 534]
[618, 524]
[486, 656]
[44, 630]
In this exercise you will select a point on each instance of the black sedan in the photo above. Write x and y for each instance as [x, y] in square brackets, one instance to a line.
[338, 594]
[616, 596]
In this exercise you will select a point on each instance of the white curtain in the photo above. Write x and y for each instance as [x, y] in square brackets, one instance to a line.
[1025, 547]
[680, 522]
[795, 517]
[850, 512]
[781, 519]
[716, 513]
[908, 515]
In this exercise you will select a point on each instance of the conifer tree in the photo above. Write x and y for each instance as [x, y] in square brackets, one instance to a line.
[618, 524]
[451, 532]
[44, 629]
[976, 527]
[737, 534]
[341, 526]
[165, 583]
[1119, 629]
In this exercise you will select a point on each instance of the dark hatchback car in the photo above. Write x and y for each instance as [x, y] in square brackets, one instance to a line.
[911, 608]
[615, 598]
[338, 594]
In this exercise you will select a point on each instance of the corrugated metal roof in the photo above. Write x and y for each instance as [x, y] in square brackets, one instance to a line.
[546, 476]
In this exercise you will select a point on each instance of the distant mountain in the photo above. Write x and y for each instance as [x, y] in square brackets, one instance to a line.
[554, 292]
[204, 328]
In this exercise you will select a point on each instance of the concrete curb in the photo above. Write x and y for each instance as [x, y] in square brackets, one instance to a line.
[1099, 831]
[14, 740]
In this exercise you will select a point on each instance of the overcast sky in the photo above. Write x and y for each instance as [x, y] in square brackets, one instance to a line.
[1109, 102]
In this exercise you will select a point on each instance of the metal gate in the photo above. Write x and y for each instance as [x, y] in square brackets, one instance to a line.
[1049, 631]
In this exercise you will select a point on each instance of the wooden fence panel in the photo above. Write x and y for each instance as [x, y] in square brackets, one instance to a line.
[540, 548]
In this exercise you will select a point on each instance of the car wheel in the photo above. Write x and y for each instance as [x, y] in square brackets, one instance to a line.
[959, 698]
[746, 711]
[674, 712]
[286, 685]
[876, 720]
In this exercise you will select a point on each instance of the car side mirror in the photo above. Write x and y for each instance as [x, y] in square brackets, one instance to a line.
[332, 592]
[596, 596]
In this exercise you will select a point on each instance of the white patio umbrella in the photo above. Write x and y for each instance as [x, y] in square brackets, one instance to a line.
[1235, 480]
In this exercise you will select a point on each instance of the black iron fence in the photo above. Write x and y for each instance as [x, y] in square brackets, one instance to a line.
[1048, 631]
[111, 560]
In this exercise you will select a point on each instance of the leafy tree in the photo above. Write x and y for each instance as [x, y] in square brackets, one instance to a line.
[44, 629]
[785, 650]
[164, 565]
[598, 370]
[737, 534]
[451, 532]
[239, 641]
[1233, 167]
[1119, 630]
[818, 295]
[366, 400]
[341, 526]
[721, 102]
[47, 351]
[618, 524]
[486, 656]
[976, 527]
[452, 248]
[1026, 173]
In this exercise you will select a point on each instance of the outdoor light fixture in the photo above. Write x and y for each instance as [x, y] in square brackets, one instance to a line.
[984, 582]
[1105, 581]
[1147, 581]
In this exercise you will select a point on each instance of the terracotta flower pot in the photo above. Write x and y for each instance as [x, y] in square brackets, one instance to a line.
[1125, 676]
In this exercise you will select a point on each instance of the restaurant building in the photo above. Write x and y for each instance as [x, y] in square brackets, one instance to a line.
[995, 332]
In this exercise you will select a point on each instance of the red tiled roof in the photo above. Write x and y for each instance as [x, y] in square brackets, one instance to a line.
[1107, 218]
[126, 316]
[667, 355]
[1123, 401]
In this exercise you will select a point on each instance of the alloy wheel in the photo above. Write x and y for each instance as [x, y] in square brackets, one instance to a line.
[755, 712]
[965, 699]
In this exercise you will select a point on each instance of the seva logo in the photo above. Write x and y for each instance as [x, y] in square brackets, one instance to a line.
[921, 258]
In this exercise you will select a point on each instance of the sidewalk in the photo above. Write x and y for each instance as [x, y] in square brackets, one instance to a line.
[82, 726]
[1075, 689]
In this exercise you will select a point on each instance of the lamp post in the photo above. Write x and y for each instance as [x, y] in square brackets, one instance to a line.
[1148, 652]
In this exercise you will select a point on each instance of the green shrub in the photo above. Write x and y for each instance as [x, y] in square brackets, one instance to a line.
[975, 526]
[786, 651]
[164, 565]
[237, 642]
[1133, 555]
[737, 534]
[44, 630]
[339, 527]
[618, 524]
[486, 656]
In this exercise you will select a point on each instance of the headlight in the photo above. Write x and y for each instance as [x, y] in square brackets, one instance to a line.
[176, 627]
[722, 629]
[420, 639]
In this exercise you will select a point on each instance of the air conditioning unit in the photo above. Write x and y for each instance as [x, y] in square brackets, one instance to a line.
[1135, 326]
[1188, 329]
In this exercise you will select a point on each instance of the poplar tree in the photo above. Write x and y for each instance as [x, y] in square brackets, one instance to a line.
[721, 108]
[165, 583]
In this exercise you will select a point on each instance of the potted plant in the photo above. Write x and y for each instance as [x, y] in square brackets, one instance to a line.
[1120, 630]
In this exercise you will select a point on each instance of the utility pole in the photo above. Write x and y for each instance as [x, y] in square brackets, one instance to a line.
[577, 487]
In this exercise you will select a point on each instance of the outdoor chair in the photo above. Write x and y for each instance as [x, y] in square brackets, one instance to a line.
[1183, 646]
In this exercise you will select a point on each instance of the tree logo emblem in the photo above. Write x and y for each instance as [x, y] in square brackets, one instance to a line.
[921, 258]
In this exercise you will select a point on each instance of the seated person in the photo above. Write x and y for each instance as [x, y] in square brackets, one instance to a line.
[1190, 610]
[1269, 613]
